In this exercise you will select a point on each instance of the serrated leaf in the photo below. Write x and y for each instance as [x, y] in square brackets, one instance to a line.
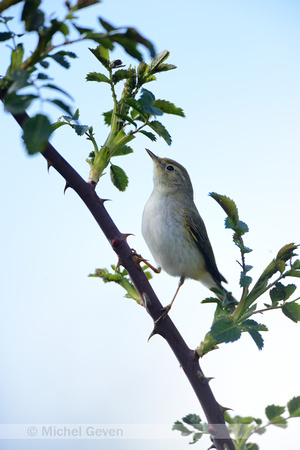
[274, 412]
[253, 329]
[192, 419]
[228, 205]
[121, 74]
[37, 131]
[168, 108]
[178, 426]
[294, 407]
[149, 135]
[107, 117]
[161, 131]
[102, 54]
[281, 292]
[245, 280]
[81, 129]
[164, 68]
[118, 177]
[95, 76]
[125, 150]
[292, 311]
[225, 329]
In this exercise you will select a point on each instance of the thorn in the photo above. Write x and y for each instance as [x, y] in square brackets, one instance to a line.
[103, 200]
[223, 408]
[154, 332]
[49, 164]
[66, 187]
[126, 235]
[119, 263]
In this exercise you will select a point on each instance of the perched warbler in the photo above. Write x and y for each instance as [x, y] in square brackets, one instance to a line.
[174, 230]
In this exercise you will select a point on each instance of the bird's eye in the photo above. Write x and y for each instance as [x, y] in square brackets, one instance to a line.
[170, 168]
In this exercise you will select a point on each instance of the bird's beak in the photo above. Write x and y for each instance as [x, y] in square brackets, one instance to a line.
[152, 156]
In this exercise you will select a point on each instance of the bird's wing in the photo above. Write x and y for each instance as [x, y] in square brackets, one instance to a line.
[197, 230]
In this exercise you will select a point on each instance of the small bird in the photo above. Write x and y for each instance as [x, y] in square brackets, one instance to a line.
[174, 230]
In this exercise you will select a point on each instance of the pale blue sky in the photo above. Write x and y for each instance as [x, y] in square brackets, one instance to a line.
[73, 350]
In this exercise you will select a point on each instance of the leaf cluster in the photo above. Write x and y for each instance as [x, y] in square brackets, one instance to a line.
[241, 428]
[121, 278]
[26, 79]
[229, 323]
[130, 115]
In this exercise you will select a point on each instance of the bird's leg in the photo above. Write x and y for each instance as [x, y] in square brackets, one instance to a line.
[167, 308]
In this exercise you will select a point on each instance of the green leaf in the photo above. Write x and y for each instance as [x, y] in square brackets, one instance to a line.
[102, 54]
[161, 131]
[157, 60]
[245, 280]
[147, 98]
[292, 311]
[212, 300]
[125, 150]
[44, 64]
[225, 330]
[121, 74]
[168, 108]
[228, 205]
[126, 118]
[274, 412]
[37, 131]
[196, 437]
[81, 129]
[192, 419]
[61, 105]
[32, 15]
[149, 135]
[60, 58]
[20, 80]
[107, 117]
[242, 227]
[250, 446]
[16, 104]
[56, 88]
[182, 428]
[248, 268]
[281, 292]
[165, 68]
[95, 76]
[118, 177]
[253, 329]
[135, 105]
[294, 407]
